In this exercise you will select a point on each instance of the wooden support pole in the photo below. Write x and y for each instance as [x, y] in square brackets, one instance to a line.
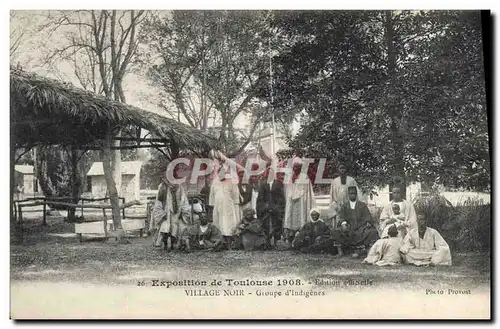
[20, 224]
[44, 223]
[20, 212]
[15, 211]
[105, 222]
[123, 209]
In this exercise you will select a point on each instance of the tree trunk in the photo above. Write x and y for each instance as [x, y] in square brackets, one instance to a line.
[110, 182]
[117, 164]
[394, 112]
[74, 183]
[12, 179]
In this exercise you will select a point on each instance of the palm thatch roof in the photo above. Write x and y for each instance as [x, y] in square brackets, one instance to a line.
[46, 111]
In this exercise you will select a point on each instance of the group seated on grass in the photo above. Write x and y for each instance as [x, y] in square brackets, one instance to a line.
[400, 236]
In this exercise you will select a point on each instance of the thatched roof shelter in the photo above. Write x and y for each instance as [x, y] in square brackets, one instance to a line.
[46, 111]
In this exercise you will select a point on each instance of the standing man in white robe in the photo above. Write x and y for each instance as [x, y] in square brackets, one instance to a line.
[299, 197]
[225, 200]
[339, 193]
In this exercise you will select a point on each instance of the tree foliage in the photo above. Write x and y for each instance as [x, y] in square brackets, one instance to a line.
[389, 93]
[211, 66]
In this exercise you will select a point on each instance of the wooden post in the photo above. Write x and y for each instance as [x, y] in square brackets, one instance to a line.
[20, 212]
[123, 210]
[82, 207]
[105, 222]
[44, 223]
[20, 223]
[148, 219]
[74, 185]
[15, 210]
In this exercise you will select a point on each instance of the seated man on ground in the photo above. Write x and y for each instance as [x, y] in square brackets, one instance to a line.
[386, 250]
[314, 236]
[355, 228]
[249, 234]
[202, 236]
[425, 246]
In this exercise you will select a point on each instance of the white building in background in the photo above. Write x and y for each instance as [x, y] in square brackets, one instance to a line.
[265, 138]
[131, 178]
[380, 197]
[24, 176]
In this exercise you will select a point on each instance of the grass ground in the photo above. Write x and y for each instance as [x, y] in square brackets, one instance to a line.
[53, 254]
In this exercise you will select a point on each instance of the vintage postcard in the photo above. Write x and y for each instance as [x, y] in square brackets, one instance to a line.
[258, 164]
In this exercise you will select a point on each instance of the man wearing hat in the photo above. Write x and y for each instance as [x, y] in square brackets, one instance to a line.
[355, 229]
[339, 192]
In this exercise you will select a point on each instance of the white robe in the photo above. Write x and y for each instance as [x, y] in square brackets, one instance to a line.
[384, 252]
[225, 198]
[406, 209]
[299, 201]
[432, 249]
[339, 194]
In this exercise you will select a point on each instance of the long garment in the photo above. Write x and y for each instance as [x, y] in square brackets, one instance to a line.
[431, 249]
[385, 252]
[312, 237]
[358, 232]
[299, 201]
[171, 214]
[225, 199]
[271, 208]
[246, 194]
[199, 237]
[339, 196]
[406, 209]
[250, 235]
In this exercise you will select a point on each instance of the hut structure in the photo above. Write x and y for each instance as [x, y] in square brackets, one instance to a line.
[130, 187]
[44, 111]
[24, 177]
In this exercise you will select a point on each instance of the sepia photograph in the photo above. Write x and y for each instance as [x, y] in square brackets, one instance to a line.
[250, 164]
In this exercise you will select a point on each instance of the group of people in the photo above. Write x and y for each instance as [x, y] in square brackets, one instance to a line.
[258, 214]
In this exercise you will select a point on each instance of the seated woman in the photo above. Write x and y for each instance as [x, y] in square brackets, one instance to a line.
[386, 250]
[202, 236]
[425, 246]
[249, 234]
[314, 236]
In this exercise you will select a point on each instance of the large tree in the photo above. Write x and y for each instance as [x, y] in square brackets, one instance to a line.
[393, 94]
[101, 46]
[211, 66]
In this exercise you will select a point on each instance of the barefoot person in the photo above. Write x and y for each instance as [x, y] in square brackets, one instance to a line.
[355, 228]
[171, 214]
[425, 246]
[225, 201]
